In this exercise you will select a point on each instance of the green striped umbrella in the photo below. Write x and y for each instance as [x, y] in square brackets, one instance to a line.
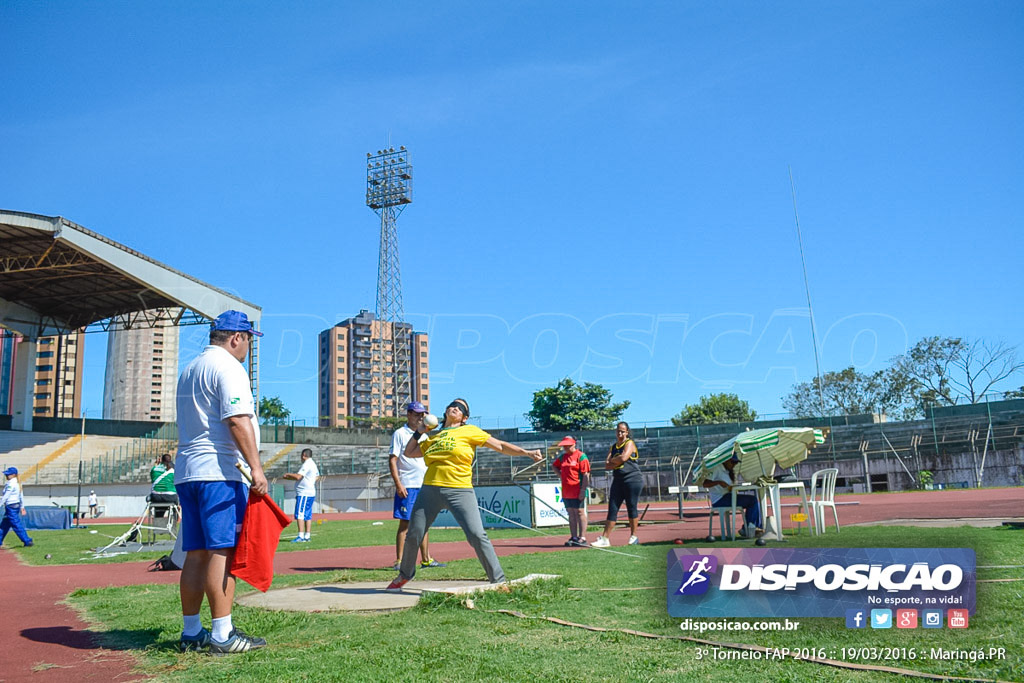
[759, 450]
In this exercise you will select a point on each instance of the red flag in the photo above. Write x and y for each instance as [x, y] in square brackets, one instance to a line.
[261, 530]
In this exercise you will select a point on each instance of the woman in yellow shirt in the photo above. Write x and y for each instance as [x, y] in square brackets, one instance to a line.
[448, 483]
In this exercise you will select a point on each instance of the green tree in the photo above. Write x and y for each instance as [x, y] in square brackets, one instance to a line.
[568, 406]
[715, 409]
[272, 411]
[849, 392]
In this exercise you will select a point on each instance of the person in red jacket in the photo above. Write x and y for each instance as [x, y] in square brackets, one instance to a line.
[574, 468]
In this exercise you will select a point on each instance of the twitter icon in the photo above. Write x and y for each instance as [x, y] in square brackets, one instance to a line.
[881, 618]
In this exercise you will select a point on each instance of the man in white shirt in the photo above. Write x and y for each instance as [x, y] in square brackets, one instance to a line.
[13, 510]
[305, 494]
[408, 475]
[720, 483]
[216, 428]
[94, 505]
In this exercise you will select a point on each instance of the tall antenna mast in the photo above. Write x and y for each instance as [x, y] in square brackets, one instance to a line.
[807, 288]
[388, 190]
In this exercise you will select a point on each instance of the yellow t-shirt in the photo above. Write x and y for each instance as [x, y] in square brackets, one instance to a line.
[449, 456]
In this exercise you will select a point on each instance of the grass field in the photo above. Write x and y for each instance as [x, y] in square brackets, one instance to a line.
[443, 640]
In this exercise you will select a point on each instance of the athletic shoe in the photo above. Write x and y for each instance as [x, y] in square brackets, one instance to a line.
[194, 643]
[396, 566]
[237, 642]
[29, 544]
[578, 543]
[297, 540]
[396, 585]
[432, 563]
[633, 540]
[601, 542]
[571, 542]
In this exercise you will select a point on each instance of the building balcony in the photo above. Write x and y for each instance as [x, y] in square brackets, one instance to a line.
[361, 398]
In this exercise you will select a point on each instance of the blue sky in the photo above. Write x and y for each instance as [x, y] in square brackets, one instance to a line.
[601, 189]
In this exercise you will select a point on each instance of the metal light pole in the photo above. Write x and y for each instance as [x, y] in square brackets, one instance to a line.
[388, 190]
[81, 448]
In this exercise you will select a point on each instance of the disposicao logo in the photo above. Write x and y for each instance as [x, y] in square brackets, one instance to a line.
[825, 582]
[697, 581]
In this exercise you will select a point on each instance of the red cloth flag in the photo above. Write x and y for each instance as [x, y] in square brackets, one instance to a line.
[261, 531]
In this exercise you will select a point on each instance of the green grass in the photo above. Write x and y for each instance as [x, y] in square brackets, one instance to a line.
[443, 640]
[73, 546]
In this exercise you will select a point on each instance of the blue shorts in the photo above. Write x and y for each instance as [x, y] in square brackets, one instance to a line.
[304, 507]
[404, 506]
[211, 514]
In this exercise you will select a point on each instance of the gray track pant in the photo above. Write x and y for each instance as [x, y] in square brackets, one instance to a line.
[463, 506]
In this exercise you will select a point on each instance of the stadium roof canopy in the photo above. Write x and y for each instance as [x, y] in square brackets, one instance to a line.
[56, 276]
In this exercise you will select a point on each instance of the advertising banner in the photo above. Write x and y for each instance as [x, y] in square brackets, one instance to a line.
[510, 502]
[548, 508]
[819, 582]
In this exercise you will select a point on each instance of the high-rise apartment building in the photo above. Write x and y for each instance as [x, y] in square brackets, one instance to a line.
[141, 374]
[57, 385]
[357, 373]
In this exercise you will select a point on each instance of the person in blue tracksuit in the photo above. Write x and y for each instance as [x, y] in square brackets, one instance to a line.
[12, 503]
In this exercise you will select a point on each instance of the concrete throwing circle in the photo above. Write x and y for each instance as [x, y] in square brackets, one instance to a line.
[364, 597]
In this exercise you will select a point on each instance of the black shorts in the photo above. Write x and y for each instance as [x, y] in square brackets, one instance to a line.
[624, 491]
[573, 503]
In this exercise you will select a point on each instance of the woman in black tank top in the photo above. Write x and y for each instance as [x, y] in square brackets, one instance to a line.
[627, 482]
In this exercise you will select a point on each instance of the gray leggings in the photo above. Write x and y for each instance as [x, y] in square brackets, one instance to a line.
[463, 506]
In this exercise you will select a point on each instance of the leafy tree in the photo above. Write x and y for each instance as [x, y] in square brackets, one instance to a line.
[715, 409]
[272, 411]
[571, 407]
[948, 370]
[849, 392]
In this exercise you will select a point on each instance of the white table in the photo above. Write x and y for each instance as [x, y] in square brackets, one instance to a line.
[773, 493]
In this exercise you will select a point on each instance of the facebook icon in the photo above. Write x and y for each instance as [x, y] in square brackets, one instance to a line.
[856, 618]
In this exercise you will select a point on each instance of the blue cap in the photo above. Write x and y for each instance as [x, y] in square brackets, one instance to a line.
[234, 321]
[10, 470]
[415, 407]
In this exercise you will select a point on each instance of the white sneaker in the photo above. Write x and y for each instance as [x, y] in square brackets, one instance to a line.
[601, 542]
[633, 540]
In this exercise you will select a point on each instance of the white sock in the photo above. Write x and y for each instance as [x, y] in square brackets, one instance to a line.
[306, 535]
[221, 628]
[192, 625]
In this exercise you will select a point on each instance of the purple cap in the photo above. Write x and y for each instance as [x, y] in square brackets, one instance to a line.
[415, 407]
[234, 321]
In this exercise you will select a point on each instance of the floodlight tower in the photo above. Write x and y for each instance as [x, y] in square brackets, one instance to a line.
[388, 190]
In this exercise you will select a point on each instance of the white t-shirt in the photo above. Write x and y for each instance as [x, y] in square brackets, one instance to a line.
[410, 470]
[212, 388]
[719, 474]
[12, 493]
[93, 500]
[307, 485]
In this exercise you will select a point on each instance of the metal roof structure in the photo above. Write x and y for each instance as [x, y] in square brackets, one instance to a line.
[56, 276]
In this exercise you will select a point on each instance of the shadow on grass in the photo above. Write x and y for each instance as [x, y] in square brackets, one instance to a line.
[84, 639]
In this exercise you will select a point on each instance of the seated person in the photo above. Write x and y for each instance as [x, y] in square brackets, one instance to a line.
[721, 481]
[163, 491]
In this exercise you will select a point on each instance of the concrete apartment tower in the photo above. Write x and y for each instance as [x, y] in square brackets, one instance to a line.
[141, 374]
[58, 374]
[357, 378]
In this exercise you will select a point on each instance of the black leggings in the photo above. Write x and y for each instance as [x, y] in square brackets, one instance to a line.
[624, 491]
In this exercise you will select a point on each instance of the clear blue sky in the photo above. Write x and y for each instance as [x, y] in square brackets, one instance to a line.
[601, 189]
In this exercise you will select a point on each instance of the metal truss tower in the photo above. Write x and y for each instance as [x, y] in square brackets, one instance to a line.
[388, 190]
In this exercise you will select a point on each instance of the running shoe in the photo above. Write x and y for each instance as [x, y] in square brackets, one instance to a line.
[633, 540]
[601, 542]
[298, 540]
[571, 542]
[194, 643]
[236, 643]
[396, 585]
[432, 563]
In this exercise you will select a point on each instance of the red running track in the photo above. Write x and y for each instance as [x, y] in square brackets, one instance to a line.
[43, 640]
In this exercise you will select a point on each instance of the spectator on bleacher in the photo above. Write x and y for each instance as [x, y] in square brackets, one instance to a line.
[305, 494]
[12, 503]
[94, 505]
[408, 476]
[448, 484]
[163, 491]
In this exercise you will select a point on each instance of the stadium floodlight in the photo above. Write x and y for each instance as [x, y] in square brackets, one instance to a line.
[388, 191]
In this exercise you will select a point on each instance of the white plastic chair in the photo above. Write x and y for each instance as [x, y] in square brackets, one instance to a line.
[823, 493]
[726, 521]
